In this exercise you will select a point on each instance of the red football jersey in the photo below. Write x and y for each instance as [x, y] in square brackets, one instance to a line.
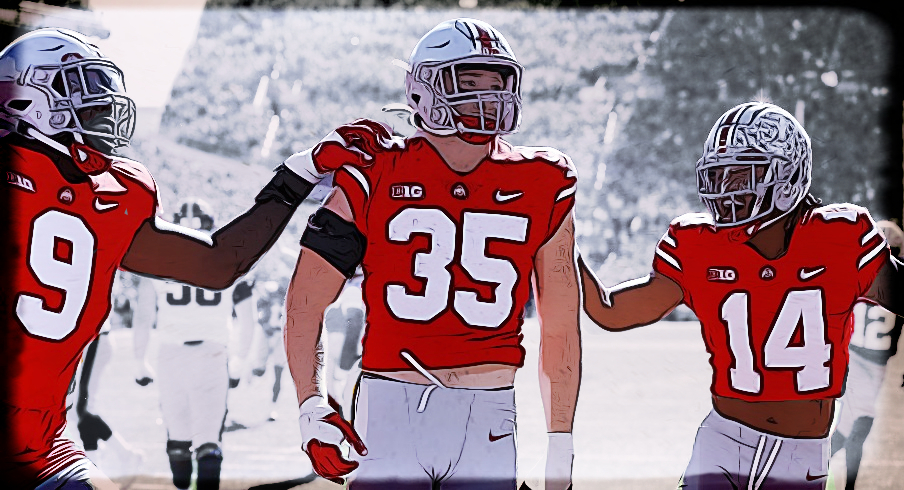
[776, 329]
[65, 241]
[449, 255]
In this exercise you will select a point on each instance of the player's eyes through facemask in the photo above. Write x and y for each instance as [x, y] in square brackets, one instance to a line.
[734, 207]
[100, 80]
[729, 178]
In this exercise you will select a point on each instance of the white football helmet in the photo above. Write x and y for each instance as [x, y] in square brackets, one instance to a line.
[756, 159]
[194, 213]
[55, 81]
[432, 80]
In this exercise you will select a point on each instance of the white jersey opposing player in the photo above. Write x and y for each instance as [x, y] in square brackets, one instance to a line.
[873, 343]
[193, 326]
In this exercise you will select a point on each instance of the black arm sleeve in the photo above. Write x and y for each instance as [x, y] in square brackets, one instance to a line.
[171, 253]
[336, 240]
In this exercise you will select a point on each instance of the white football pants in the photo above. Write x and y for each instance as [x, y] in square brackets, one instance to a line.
[193, 385]
[428, 437]
[730, 455]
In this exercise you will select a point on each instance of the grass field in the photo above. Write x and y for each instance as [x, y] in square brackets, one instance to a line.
[643, 394]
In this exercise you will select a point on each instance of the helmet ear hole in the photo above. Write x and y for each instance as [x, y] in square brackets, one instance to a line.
[416, 98]
[20, 105]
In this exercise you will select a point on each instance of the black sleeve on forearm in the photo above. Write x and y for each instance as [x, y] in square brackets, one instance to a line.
[171, 254]
[336, 240]
[286, 187]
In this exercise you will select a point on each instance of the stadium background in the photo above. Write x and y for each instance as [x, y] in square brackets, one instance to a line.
[628, 93]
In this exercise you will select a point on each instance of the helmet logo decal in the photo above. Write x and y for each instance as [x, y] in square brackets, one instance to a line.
[487, 42]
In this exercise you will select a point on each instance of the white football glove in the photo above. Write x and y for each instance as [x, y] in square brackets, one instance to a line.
[559, 457]
[322, 432]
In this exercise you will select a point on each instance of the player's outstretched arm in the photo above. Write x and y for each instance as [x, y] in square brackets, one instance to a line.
[558, 307]
[316, 283]
[165, 250]
[633, 303]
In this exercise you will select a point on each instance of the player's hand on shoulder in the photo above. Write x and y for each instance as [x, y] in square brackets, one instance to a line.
[322, 432]
[355, 144]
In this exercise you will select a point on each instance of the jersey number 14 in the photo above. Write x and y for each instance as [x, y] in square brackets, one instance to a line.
[808, 357]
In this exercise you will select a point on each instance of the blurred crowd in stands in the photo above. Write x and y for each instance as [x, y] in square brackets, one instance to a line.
[629, 94]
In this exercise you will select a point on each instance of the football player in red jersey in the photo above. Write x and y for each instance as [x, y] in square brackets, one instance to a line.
[449, 225]
[73, 214]
[773, 276]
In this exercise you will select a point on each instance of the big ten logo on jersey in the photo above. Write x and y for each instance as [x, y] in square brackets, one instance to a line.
[406, 191]
[872, 327]
[200, 297]
[721, 274]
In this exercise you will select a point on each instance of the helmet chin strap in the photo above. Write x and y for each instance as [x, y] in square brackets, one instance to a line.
[419, 123]
[87, 159]
[47, 140]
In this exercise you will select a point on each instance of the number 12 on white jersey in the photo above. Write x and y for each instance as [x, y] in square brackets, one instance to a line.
[809, 358]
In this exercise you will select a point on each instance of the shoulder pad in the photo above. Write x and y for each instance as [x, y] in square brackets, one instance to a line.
[838, 212]
[136, 172]
[691, 220]
[545, 154]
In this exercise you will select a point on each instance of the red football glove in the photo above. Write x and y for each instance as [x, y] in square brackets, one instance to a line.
[322, 433]
[353, 144]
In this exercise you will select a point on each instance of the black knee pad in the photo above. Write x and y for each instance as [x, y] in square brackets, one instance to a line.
[210, 459]
[179, 453]
[92, 428]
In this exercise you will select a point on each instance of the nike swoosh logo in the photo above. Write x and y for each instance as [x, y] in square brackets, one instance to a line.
[814, 477]
[103, 206]
[500, 196]
[809, 274]
[496, 438]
